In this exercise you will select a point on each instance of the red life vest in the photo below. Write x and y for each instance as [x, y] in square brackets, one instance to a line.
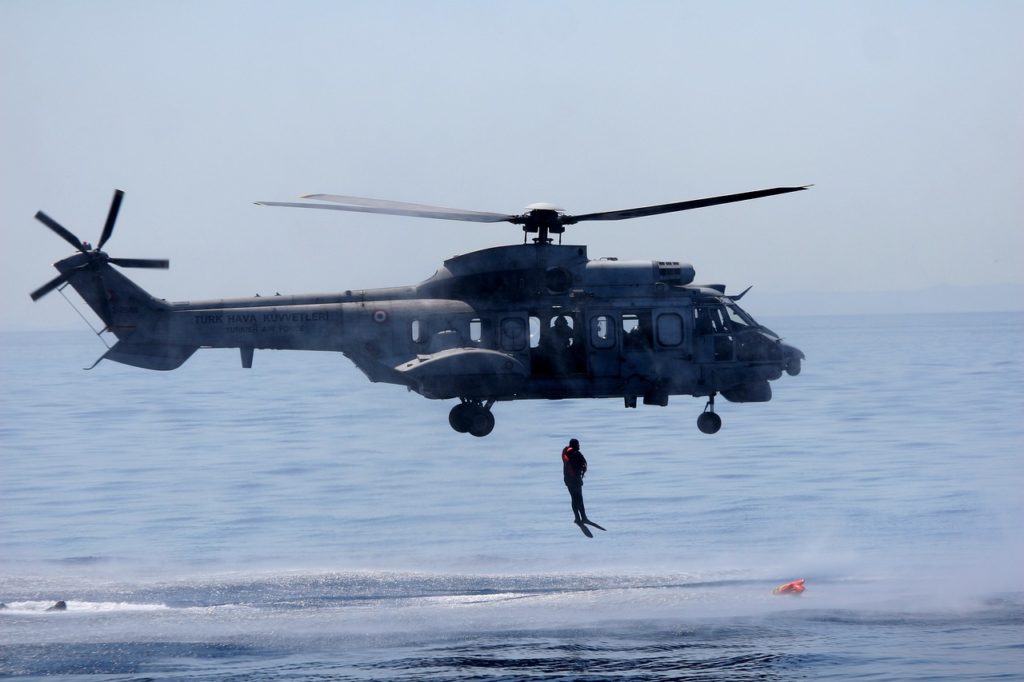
[568, 469]
[795, 587]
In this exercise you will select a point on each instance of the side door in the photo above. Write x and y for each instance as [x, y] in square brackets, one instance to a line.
[674, 347]
[637, 327]
[713, 342]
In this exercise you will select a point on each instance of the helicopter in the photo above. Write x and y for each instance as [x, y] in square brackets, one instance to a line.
[536, 320]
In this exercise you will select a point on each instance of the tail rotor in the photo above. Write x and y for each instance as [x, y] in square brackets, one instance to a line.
[90, 256]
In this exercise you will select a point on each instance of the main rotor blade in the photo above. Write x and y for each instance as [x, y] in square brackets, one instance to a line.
[108, 228]
[61, 230]
[681, 205]
[364, 205]
[162, 264]
[48, 287]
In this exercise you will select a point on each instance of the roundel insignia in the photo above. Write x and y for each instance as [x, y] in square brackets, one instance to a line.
[380, 315]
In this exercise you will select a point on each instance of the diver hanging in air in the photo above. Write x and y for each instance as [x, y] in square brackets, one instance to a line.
[574, 466]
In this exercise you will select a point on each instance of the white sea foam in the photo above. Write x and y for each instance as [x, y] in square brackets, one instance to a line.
[74, 606]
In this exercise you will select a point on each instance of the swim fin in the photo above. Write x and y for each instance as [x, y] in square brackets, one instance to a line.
[586, 531]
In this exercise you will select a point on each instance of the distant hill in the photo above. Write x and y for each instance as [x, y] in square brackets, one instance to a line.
[949, 299]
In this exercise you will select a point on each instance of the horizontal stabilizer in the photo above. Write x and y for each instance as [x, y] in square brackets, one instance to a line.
[160, 356]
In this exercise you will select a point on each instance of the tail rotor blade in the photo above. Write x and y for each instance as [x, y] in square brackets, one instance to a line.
[48, 287]
[108, 228]
[161, 264]
[64, 233]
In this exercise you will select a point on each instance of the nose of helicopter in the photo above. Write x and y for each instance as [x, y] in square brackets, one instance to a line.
[793, 357]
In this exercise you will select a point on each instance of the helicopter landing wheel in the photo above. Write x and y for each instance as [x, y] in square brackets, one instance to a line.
[709, 421]
[481, 422]
[461, 417]
[473, 417]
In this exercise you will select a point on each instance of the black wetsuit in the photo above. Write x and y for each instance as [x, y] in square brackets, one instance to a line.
[574, 465]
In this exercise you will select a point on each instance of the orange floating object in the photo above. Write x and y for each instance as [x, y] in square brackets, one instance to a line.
[795, 587]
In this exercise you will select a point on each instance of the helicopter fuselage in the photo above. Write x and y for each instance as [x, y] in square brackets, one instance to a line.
[530, 321]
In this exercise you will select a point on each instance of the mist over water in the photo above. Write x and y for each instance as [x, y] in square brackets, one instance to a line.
[293, 521]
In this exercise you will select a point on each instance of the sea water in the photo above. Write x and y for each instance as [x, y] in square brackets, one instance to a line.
[295, 522]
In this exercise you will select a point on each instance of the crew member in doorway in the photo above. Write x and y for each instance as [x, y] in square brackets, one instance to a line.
[561, 333]
[574, 466]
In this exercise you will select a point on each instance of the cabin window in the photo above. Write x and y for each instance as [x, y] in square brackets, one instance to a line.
[513, 333]
[670, 329]
[534, 331]
[417, 332]
[636, 331]
[602, 331]
[482, 333]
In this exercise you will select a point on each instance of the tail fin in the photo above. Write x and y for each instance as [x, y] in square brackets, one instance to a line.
[116, 299]
[135, 317]
[130, 313]
[123, 305]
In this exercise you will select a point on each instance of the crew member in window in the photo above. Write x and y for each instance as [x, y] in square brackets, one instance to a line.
[639, 337]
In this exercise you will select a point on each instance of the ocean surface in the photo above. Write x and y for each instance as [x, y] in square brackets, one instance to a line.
[295, 522]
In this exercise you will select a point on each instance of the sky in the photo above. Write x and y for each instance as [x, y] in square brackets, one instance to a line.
[907, 117]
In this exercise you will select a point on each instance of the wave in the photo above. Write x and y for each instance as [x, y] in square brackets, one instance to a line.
[721, 592]
[74, 606]
[375, 624]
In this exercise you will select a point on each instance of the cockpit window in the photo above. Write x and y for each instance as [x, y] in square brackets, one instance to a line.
[710, 320]
[738, 319]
